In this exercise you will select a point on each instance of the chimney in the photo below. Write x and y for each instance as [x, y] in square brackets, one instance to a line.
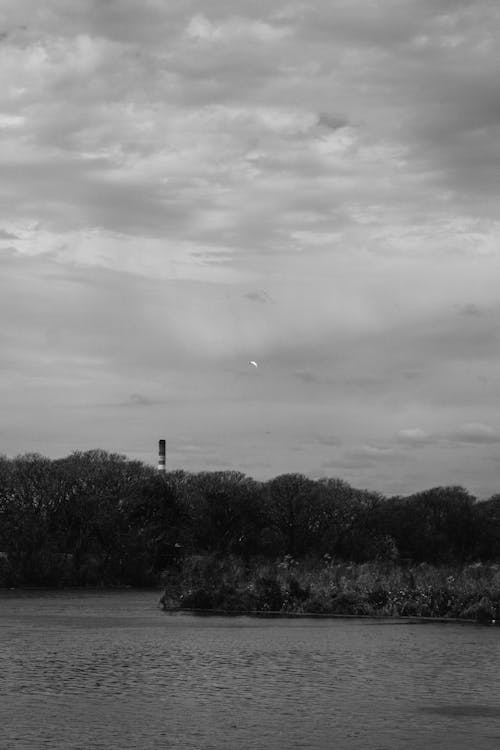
[161, 456]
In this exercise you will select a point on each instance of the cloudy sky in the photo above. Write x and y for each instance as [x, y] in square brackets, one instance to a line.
[187, 186]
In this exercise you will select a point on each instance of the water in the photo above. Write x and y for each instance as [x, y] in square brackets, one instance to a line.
[87, 670]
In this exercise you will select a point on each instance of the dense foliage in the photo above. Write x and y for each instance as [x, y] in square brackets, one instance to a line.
[95, 518]
[328, 587]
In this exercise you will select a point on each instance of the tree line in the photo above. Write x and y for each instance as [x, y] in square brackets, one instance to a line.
[98, 518]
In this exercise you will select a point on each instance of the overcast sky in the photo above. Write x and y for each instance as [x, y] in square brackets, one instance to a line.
[187, 186]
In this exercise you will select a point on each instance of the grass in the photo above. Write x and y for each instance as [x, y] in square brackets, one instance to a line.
[329, 587]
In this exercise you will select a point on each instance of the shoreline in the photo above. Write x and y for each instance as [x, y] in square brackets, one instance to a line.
[263, 614]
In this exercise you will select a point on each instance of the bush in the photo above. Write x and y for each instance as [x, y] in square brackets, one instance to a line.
[482, 611]
[316, 587]
[198, 598]
[268, 594]
[347, 603]
[378, 597]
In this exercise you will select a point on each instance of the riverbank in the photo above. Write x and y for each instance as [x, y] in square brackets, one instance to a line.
[289, 587]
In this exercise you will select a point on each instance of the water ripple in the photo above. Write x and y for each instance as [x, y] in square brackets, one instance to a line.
[109, 670]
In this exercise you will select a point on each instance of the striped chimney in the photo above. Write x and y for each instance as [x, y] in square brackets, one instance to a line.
[161, 456]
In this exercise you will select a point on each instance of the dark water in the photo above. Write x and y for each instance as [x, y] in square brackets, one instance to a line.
[110, 670]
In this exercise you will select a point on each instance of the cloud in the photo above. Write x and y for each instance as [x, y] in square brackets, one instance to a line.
[414, 436]
[475, 432]
[170, 170]
[234, 29]
[306, 376]
[328, 440]
[470, 308]
[469, 433]
[366, 457]
[153, 158]
[259, 295]
[332, 122]
[139, 399]
[4, 235]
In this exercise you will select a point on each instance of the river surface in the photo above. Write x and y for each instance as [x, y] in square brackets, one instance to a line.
[87, 670]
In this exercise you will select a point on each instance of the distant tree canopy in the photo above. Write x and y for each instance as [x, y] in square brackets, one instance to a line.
[99, 518]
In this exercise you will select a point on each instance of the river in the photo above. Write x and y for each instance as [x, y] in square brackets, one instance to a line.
[82, 670]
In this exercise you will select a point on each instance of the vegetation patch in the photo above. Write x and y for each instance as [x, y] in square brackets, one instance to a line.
[370, 589]
[223, 541]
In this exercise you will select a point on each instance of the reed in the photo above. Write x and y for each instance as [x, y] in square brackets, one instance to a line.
[326, 586]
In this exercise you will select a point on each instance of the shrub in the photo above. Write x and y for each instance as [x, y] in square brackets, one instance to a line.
[268, 594]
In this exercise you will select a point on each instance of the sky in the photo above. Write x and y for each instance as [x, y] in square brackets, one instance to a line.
[188, 186]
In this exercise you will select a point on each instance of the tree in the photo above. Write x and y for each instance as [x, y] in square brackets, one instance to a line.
[487, 529]
[89, 521]
[225, 509]
[158, 526]
[295, 512]
[29, 492]
[433, 526]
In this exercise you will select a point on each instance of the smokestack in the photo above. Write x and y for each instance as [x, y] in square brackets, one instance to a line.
[161, 456]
